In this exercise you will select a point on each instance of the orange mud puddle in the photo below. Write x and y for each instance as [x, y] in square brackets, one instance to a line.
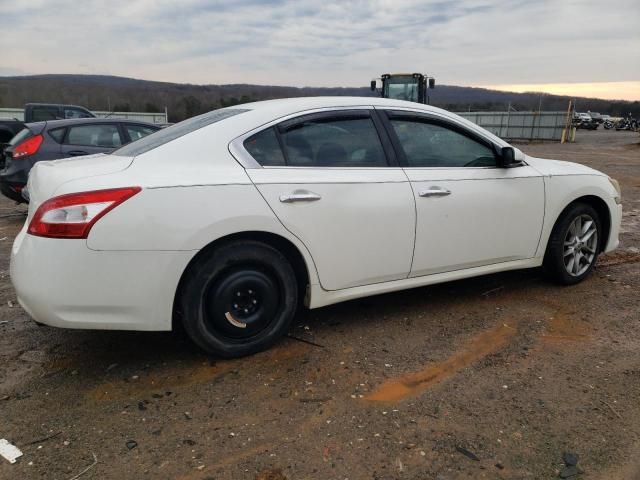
[480, 346]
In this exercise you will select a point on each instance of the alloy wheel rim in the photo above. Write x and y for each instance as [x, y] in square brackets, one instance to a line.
[580, 245]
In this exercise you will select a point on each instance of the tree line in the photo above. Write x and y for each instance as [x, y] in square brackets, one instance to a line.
[98, 92]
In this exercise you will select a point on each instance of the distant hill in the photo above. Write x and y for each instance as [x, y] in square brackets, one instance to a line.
[103, 92]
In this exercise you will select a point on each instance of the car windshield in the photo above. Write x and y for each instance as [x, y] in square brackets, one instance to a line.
[403, 87]
[175, 131]
[21, 136]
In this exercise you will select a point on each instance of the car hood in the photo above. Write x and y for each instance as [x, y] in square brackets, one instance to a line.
[559, 167]
[47, 177]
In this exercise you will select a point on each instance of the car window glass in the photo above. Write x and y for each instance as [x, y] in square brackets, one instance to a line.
[178, 130]
[264, 148]
[21, 136]
[136, 132]
[337, 142]
[42, 114]
[431, 145]
[94, 136]
[75, 113]
[57, 134]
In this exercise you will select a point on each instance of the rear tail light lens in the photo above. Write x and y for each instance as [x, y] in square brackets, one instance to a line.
[73, 215]
[29, 147]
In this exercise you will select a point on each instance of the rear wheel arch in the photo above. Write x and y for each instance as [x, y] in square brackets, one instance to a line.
[280, 243]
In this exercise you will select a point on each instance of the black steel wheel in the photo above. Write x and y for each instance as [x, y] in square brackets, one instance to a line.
[239, 298]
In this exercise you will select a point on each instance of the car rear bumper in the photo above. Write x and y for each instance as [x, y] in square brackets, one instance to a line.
[63, 283]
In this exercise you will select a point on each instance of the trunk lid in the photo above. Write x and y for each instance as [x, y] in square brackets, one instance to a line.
[47, 177]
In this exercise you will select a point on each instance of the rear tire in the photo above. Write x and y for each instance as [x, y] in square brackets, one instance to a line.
[574, 244]
[239, 299]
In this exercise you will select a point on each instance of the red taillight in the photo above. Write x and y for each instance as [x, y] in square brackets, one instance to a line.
[29, 147]
[73, 215]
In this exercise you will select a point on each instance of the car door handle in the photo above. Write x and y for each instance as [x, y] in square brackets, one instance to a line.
[300, 196]
[435, 192]
[77, 153]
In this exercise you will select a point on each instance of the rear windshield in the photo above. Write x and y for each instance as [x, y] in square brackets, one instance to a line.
[21, 136]
[175, 131]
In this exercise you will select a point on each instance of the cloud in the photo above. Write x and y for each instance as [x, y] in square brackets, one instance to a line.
[326, 43]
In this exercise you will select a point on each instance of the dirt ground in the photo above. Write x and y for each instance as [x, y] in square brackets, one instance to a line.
[494, 377]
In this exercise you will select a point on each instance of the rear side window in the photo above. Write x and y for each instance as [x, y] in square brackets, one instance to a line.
[42, 114]
[136, 132]
[76, 113]
[334, 142]
[178, 130]
[265, 148]
[94, 136]
[57, 134]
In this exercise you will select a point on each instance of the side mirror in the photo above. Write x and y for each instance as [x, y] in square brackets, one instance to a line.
[509, 157]
[373, 85]
[432, 83]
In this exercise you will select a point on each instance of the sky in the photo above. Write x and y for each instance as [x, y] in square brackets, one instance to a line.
[578, 47]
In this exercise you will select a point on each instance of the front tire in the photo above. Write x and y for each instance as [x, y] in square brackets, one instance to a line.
[239, 299]
[574, 246]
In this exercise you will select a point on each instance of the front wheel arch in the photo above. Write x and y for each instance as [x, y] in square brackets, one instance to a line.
[600, 206]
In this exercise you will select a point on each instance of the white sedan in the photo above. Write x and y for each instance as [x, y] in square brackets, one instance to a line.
[230, 221]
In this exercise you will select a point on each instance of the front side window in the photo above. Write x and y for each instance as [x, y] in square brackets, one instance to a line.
[427, 144]
[105, 135]
[341, 141]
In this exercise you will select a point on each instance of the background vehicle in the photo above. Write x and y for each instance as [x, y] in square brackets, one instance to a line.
[41, 112]
[581, 123]
[412, 87]
[9, 127]
[56, 139]
[230, 221]
[627, 123]
[38, 112]
[596, 117]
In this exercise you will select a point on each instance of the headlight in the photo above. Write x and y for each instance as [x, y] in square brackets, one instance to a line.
[616, 185]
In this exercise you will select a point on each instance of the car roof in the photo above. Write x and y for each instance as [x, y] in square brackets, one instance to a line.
[76, 121]
[266, 111]
[37, 104]
[293, 105]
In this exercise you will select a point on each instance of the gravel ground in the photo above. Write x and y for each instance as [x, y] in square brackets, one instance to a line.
[493, 377]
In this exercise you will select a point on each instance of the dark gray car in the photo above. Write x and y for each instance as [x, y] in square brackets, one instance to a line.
[56, 139]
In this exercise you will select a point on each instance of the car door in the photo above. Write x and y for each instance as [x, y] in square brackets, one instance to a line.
[470, 213]
[329, 180]
[90, 138]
